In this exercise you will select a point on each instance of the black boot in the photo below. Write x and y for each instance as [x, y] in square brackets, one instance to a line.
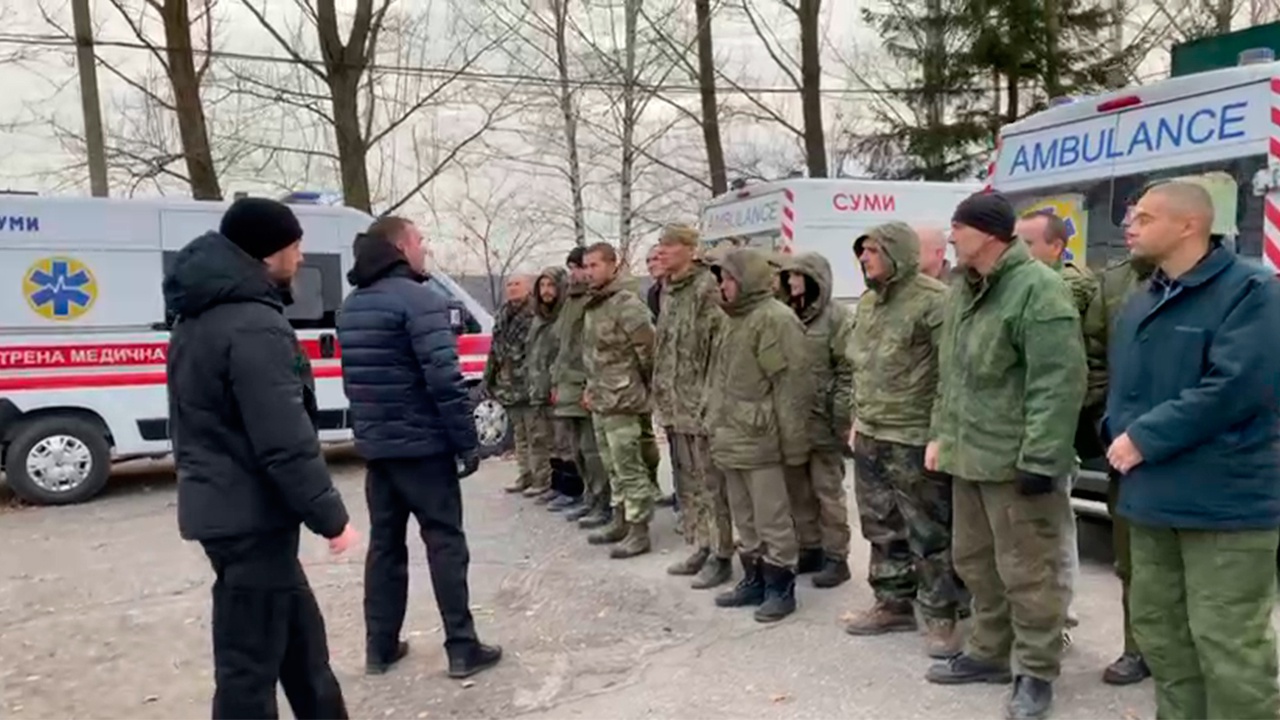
[779, 593]
[749, 590]
[715, 571]
[835, 572]
[967, 670]
[465, 662]
[374, 665]
[811, 560]
[1128, 669]
[1031, 698]
[597, 518]
[578, 512]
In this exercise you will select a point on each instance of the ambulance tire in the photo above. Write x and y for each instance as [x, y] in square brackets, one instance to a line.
[493, 426]
[91, 438]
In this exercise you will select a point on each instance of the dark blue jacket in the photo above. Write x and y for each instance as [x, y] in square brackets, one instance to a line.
[400, 363]
[1195, 366]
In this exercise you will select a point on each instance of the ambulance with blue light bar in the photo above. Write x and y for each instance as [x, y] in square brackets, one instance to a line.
[84, 333]
[825, 216]
[1089, 158]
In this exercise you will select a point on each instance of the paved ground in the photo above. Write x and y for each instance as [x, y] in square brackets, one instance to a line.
[104, 614]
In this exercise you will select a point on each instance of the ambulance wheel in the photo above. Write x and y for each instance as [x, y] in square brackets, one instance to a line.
[493, 426]
[58, 460]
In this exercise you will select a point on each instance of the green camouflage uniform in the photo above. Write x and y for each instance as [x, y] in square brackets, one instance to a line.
[544, 344]
[905, 511]
[569, 376]
[1115, 285]
[687, 326]
[1012, 377]
[506, 378]
[818, 501]
[618, 353]
[758, 401]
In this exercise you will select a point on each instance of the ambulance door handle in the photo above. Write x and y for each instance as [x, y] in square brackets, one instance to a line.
[328, 345]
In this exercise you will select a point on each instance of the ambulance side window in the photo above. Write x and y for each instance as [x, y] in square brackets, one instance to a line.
[317, 292]
[1085, 206]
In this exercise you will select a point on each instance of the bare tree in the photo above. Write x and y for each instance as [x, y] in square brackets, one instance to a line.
[501, 229]
[707, 93]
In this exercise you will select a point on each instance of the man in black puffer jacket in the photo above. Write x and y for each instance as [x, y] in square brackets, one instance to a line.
[249, 465]
[413, 424]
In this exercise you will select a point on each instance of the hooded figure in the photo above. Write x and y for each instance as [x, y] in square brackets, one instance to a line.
[905, 511]
[759, 395]
[818, 501]
[550, 448]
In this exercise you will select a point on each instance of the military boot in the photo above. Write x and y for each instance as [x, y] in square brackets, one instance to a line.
[579, 511]
[810, 561]
[534, 491]
[634, 544]
[520, 485]
[941, 639]
[835, 572]
[716, 571]
[1031, 699]
[779, 593]
[883, 617]
[598, 517]
[749, 590]
[690, 565]
[611, 533]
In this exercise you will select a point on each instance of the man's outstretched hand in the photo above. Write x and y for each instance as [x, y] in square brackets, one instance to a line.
[468, 464]
[343, 542]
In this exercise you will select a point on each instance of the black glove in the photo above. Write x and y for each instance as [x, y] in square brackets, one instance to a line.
[468, 464]
[1031, 484]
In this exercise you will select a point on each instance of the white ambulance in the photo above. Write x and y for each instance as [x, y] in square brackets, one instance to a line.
[83, 332]
[825, 216]
[1089, 158]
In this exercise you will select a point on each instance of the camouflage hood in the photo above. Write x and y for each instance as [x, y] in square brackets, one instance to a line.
[752, 271]
[817, 284]
[901, 248]
[560, 277]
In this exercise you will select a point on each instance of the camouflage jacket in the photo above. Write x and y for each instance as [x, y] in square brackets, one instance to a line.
[1114, 286]
[691, 317]
[895, 344]
[569, 373]
[827, 327]
[506, 371]
[544, 342]
[1011, 371]
[618, 343]
[759, 392]
[1082, 284]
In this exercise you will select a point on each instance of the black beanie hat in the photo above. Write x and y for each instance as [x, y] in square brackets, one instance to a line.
[576, 257]
[260, 226]
[989, 212]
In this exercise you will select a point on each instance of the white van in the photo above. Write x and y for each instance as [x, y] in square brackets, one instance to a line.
[1089, 158]
[83, 332]
[825, 216]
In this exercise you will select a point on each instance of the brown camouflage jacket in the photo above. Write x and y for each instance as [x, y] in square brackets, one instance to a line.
[690, 318]
[506, 371]
[618, 341]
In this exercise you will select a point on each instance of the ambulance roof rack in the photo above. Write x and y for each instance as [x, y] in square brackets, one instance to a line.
[1256, 56]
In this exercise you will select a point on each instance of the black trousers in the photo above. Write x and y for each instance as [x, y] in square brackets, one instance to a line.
[428, 489]
[267, 628]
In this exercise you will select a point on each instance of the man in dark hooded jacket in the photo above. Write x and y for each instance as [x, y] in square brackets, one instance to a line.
[412, 421]
[544, 345]
[250, 470]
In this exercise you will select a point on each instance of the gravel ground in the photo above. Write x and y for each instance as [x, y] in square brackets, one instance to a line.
[104, 614]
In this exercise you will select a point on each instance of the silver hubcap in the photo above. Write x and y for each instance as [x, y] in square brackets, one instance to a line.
[491, 422]
[59, 463]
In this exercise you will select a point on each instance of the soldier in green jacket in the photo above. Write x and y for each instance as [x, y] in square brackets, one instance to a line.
[905, 510]
[569, 377]
[1011, 383]
[618, 357]
[506, 380]
[758, 401]
[818, 502]
[544, 346]
[1115, 285]
[688, 323]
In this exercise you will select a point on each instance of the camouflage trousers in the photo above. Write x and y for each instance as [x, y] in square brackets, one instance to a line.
[585, 454]
[762, 513]
[621, 442]
[905, 514]
[819, 505]
[705, 518]
[1008, 550]
[1202, 603]
[533, 437]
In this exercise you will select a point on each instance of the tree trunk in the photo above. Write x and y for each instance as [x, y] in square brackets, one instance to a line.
[933, 68]
[87, 64]
[345, 64]
[1052, 43]
[1222, 17]
[632, 11]
[186, 100]
[707, 90]
[811, 91]
[561, 10]
[1012, 111]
